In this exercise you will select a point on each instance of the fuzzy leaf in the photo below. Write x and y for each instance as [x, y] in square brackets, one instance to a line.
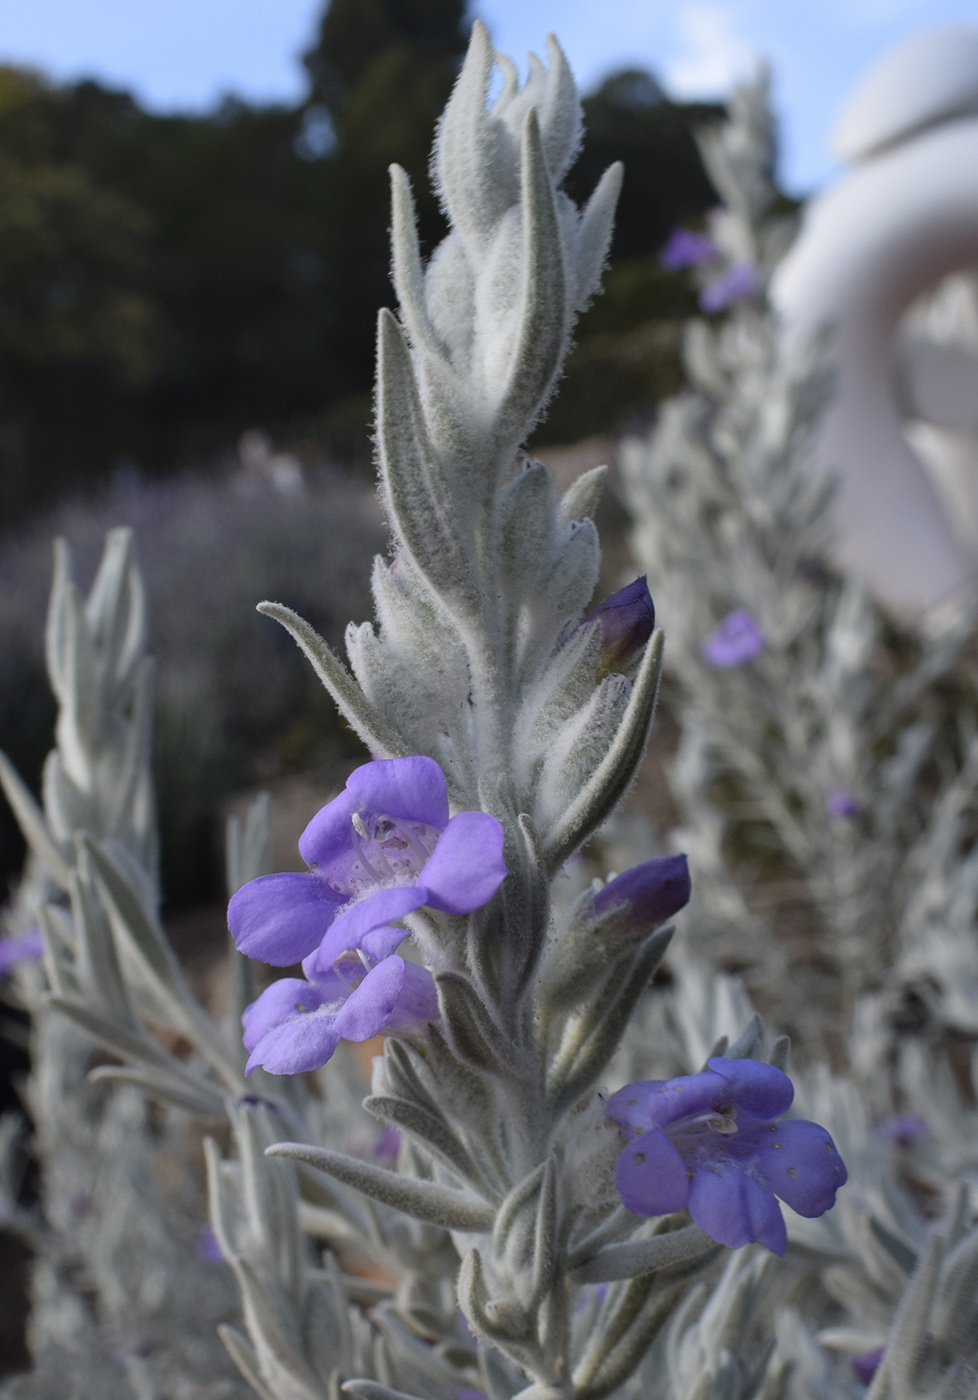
[422, 1199]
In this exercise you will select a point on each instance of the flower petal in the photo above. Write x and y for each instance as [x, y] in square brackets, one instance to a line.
[327, 837]
[417, 1001]
[289, 996]
[380, 943]
[281, 918]
[370, 1008]
[304, 1043]
[651, 1176]
[759, 1089]
[657, 1102]
[366, 915]
[466, 868]
[734, 1209]
[801, 1164]
[409, 788]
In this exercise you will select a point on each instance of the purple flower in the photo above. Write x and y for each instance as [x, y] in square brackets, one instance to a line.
[904, 1129]
[208, 1247]
[382, 849]
[736, 640]
[627, 619]
[28, 947]
[714, 1143]
[295, 1025]
[388, 1143]
[644, 896]
[865, 1365]
[686, 249]
[842, 805]
[738, 283]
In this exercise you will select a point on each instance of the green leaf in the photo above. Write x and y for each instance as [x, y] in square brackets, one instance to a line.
[422, 1199]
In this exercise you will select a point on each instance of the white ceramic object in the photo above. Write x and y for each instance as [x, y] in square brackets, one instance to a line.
[901, 434]
[931, 78]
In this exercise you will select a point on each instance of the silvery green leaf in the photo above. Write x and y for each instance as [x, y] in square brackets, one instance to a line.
[581, 499]
[578, 749]
[143, 944]
[32, 823]
[158, 1084]
[373, 1390]
[638, 1313]
[422, 1199]
[432, 1133]
[637, 1257]
[540, 340]
[593, 241]
[616, 771]
[469, 1027]
[591, 1037]
[474, 173]
[347, 696]
[417, 495]
[242, 1353]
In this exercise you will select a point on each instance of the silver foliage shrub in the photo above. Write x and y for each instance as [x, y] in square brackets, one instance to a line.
[493, 1257]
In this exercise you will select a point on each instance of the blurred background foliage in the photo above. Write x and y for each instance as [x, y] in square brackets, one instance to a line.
[168, 282]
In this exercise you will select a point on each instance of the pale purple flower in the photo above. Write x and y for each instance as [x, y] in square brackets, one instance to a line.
[209, 1248]
[27, 947]
[842, 805]
[627, 619]
[714, 1143]
[736, 640]
[866, 1364]
[686, 249]
[295, 1024]
[388, 1143]
[379, 851]
[382, 849]
[643, 897]
[904, 1129]
[738, 283]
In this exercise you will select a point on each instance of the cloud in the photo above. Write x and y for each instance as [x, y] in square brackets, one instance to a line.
[712, 55]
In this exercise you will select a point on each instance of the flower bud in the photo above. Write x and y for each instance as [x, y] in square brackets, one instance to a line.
[627, 619]
[646, 895]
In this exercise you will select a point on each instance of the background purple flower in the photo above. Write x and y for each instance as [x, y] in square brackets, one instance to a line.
[714, 1143]
[866, 1364]
[27, 947]
[904, 1129]
[738, 283]
[208, 1247]
[736, 640]
[383, 848]
[686, 249]
[841, 805]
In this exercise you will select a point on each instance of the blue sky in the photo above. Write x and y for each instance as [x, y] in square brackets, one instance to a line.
[183, 54]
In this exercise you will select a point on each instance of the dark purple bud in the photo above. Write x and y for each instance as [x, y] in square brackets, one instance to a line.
[866, 1364]
[738, 283]
[686, 249]
[644, 896]
[627, 619]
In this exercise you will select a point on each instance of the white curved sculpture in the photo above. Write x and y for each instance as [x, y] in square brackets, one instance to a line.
[885, 256]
